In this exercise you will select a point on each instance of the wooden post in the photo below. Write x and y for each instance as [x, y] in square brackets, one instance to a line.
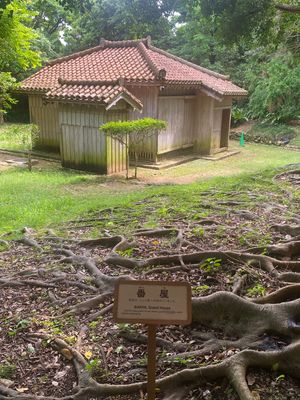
[151, 362]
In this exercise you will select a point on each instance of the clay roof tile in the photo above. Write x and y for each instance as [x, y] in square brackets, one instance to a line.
[135, 61]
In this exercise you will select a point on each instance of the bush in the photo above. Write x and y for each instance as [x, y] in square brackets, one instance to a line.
[138, 130]
[279, 134]
[276, 91]
[139, 126]
[238, 116]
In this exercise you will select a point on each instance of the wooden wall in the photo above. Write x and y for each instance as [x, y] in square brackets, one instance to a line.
[212, 124]
[45, 115]
[148, 96]
[216, 132]
[197, 121]
[116, 153]
[203, 123]
[83, 146]
[178, 111]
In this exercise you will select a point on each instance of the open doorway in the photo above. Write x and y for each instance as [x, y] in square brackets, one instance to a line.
[225, 125]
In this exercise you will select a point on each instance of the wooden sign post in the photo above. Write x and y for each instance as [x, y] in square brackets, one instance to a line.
[152, 303]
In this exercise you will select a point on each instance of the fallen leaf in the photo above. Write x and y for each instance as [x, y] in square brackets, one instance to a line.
[255, 395]
[67, 353]
[88, 355]
[22, 390]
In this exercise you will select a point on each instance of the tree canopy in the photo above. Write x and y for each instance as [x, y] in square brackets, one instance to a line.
[16, 37]
[16, 47]
[234, 37]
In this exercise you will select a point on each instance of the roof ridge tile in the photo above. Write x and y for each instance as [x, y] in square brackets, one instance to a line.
[188, 63]
[159, 73]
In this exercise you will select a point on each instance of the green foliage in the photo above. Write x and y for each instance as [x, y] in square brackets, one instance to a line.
[16, 52]
[126, 253]
[211, 265]
[184, 361]
[138, 126]
[275, 90]
[119, 20]
[257, 290]
[51, 20]
[280, 378]
[240, 18]
[274, 132]
[137, 130]
[15, 136]
[199, 290]
[7, 84]
[94, 367]
[7, 370]
[238, 115]
[198, 231]
[119, 349]
[124, 327]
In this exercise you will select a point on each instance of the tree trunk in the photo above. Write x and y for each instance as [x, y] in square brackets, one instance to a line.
[29, 160]
[135, 164]
[1, 118]
[127, 157]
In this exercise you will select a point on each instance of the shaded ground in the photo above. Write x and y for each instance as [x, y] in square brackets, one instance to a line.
[239, 249]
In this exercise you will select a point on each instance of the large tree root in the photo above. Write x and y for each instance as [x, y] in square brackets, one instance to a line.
[262, 332]
[233, 368]
[264, 262]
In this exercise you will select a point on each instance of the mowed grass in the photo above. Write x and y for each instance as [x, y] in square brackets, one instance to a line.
[49, 195]
[251, 159]
[40, 198]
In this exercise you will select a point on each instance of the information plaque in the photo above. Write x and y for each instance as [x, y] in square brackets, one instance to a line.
[153, 302]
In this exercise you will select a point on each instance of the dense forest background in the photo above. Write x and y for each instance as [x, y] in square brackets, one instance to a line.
[256, 42]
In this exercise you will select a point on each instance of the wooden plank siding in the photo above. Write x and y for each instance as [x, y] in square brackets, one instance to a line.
[203, 123]
[116, 152]
[148, 96]
[216, 131]
[83, 146]
[178, 111]
[45, 115]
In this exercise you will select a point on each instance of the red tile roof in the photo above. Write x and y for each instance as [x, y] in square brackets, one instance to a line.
[94, 92]
[136, 61]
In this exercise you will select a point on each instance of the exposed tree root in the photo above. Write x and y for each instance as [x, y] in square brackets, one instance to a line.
[264, 262]
[293, 230]
[283, 250]
[287, 293]
[136, 337]
[233, 368]
[262, 332]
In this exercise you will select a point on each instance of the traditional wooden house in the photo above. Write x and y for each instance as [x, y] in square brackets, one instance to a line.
[72, 96]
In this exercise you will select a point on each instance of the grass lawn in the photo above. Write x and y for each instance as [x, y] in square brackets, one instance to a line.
[253, 158]
[48, 196]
